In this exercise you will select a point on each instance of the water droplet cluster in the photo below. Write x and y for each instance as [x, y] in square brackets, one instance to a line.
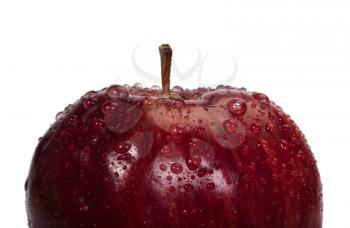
[127, 147]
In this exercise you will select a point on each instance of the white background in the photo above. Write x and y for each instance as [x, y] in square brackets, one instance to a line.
[296, 51]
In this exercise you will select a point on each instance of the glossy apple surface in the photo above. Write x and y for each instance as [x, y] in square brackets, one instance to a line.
[130, 157]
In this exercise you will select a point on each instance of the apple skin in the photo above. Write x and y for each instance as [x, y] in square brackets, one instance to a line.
[131, 157]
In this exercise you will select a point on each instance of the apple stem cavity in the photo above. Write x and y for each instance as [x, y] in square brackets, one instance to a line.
[165, 61]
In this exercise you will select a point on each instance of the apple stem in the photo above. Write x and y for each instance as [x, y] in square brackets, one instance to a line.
[165, 62]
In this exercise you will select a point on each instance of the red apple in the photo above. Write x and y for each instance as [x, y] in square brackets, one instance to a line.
[141, 157]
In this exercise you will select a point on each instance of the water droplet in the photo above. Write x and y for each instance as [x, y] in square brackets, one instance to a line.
[120, 116]
[85, 154]
[188, 187]
[115, 92]
[122, 147]
[245, 149]
[177, 89]
[210, 186]
[271, 116]
[108, 106]
[274, 161]
[193, 162]
[287, 128]
[263, 145]
[185, 212]
[125, 157]
[176, 168]
[230, 125]
[252, 166]
[89, 103]
[97, 124]
[300, 154]
[284, 145]
[169, 178]
[72, 120]
[193, 177]
[60, 115]
[202, 172]
[164, 150]
[255, 128]
[177, 131]
[210, 171]
[84, 208]
[262, 98]
[162, 167]
[156, 88]
[138, 86]
[237, 106]
[282, 117]
[199, 130]
[242, 138]
[270, 128]
[91, 94]
[89, 99]
[220, 87]
[172, 189]
[116, 174]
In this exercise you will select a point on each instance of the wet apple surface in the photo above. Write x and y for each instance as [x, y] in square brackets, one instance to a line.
[127, 156]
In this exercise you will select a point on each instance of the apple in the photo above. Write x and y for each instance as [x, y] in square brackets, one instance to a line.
[127, 156]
